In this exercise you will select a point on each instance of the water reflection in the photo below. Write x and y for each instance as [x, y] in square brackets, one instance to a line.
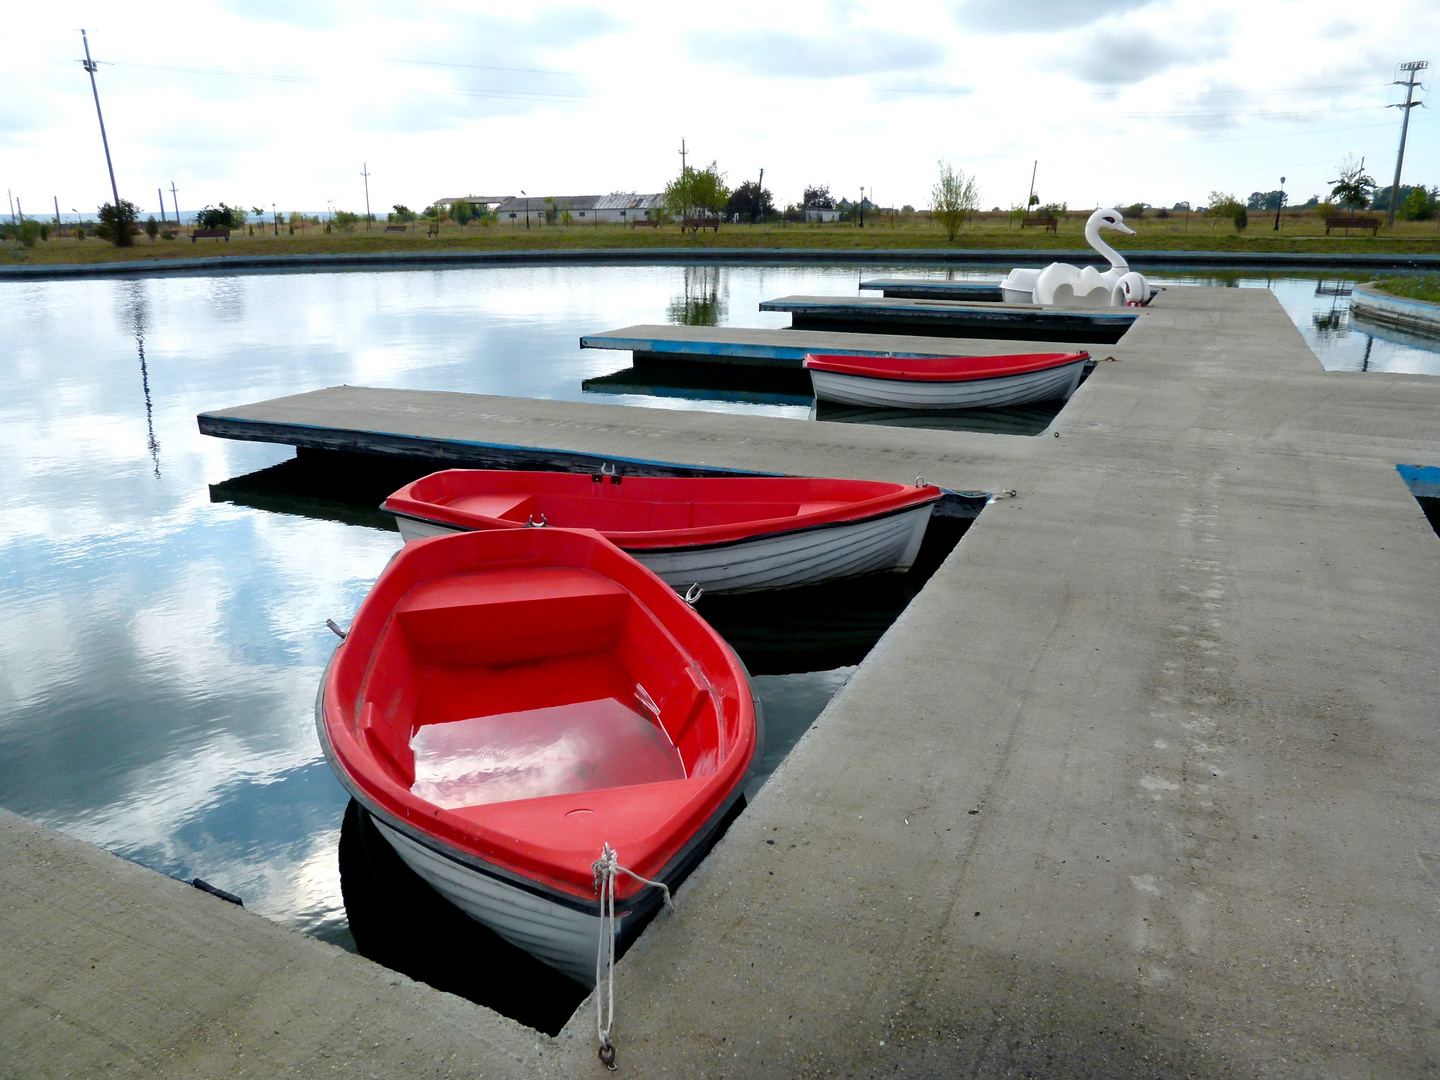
[703, 298]
[138, 319]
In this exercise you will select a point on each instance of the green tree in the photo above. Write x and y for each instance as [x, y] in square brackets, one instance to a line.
[460, 212]
[401, 214]
[152, 227]
[697, 192]
[220, 217]
[751, 202]
[1240, 218]
[817, 197]
[1221, 204]
[1353, 186]
[1419, 205]
[118, 224]
[954, 199]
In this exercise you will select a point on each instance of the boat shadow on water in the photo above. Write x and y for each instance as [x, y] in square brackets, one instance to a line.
[401, 922]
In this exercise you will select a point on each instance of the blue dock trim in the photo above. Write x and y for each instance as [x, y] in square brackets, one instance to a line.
[465, 453]
[1422, 480]
[933, 289]
[727, 351]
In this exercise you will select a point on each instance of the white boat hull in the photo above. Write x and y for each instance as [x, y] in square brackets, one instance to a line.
[557, 935]
[773, 561]
[1050, 384]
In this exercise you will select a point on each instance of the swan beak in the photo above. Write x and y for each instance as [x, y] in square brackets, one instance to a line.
[1120, 226]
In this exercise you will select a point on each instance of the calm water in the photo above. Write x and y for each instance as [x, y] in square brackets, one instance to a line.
[160, 651]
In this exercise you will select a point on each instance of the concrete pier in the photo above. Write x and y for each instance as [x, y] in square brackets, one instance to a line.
[1146, 782]
[953, 318]
[933, 289]
[788, 348]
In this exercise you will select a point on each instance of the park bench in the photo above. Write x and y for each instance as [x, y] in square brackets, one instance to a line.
[208, 234]
[1352, 221]
[647, 223]
[397, 228]
[1050, 224]
[434, 229]
[696, 224]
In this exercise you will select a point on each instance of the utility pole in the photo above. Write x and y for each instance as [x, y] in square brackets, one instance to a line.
[11, 197]
[527, 208]
[760, 197]
[90, 67]
[1031, 197]
[160, 194]
[365, 172]
[1412, 67]
[57, 208]
[175, 198]
[682, 155]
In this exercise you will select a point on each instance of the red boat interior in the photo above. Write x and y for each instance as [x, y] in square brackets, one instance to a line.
[941, 368]
[647, 511]
[530, 695]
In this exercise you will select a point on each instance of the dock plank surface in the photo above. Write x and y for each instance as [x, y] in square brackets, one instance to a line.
[876, 314]
[788, 348]
[933, 289]
[1145, 783]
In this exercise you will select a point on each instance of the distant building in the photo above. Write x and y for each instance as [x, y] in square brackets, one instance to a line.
[814, 214]
[490, 202]
[622, 209]
[583, 209]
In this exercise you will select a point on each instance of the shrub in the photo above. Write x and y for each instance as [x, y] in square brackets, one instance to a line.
[954, 199]
[1135, 210]
[220, 217]
[1419, 205]
[152, 228]
[1162, 213]
[460, 212]
[118, 224]
[1241, 218]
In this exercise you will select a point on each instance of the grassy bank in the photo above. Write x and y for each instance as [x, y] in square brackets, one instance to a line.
[1413, 287]
[1301, 233]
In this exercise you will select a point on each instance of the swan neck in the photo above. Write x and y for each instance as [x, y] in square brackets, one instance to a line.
[1092, 234]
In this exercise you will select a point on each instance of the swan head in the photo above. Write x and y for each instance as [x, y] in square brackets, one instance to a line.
[1110, 219]
[1132, 290]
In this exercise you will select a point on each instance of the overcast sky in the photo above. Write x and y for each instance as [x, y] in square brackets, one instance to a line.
[258, 101]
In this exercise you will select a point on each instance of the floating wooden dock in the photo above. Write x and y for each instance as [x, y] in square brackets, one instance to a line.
[788, 348]
[1025, 322]
[921, 289]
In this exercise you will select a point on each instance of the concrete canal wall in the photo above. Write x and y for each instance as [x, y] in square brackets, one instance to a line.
[1146, 782]
[408, 260]
[1400, 312]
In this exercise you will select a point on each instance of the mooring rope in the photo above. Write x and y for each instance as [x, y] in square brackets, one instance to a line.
[607, 868]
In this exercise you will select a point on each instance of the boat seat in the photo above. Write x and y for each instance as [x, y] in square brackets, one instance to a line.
[512, 614]
[508, 506]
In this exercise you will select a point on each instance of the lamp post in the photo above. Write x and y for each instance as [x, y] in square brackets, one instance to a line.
[527, 208]
[862, 206]
[1279, 204]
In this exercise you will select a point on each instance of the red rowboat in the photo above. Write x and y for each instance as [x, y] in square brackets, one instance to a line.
[507, 703]
[945, 382]
[724, 533]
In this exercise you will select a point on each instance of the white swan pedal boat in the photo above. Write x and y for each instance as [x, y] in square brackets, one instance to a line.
[945, 382]
[507, 704]
[723, 533]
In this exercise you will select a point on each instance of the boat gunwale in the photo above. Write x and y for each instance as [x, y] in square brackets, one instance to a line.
[621, 540]
[657, 541]
[866, 367]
